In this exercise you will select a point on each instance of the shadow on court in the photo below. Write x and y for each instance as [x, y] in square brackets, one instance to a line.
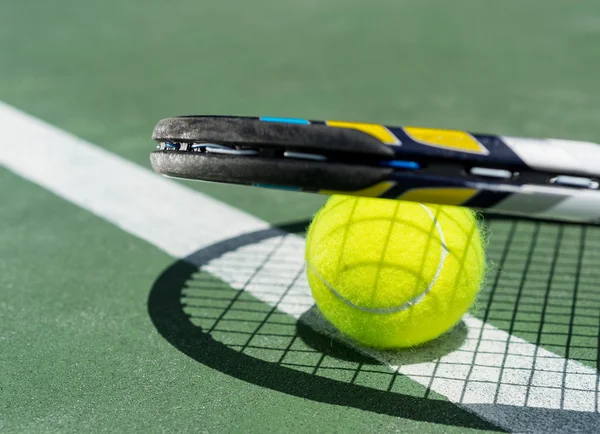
[287, 355]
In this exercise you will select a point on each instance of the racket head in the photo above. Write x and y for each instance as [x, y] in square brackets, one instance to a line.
[539, 178]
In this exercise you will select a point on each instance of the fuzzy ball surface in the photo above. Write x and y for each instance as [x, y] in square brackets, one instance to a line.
[394, 274]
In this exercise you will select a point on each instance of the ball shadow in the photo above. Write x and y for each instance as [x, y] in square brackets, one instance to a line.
[328, 346]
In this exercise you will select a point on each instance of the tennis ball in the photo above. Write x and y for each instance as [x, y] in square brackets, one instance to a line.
[393, 274]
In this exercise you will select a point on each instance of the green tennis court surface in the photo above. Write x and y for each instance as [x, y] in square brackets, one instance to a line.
[133, 303]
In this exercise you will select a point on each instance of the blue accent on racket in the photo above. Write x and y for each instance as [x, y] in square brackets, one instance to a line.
[400, 164]
[285, 120]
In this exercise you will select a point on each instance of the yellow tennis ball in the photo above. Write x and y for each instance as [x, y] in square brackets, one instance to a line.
[393, 274]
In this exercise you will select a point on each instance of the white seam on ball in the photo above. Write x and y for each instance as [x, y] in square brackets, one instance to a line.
[413, 301]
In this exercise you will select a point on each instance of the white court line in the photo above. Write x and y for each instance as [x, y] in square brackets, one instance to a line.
[150, 207]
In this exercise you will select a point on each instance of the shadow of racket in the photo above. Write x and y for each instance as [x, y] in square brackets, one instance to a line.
[225, 326]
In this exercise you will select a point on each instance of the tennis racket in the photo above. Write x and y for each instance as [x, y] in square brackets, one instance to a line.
[539, 178]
